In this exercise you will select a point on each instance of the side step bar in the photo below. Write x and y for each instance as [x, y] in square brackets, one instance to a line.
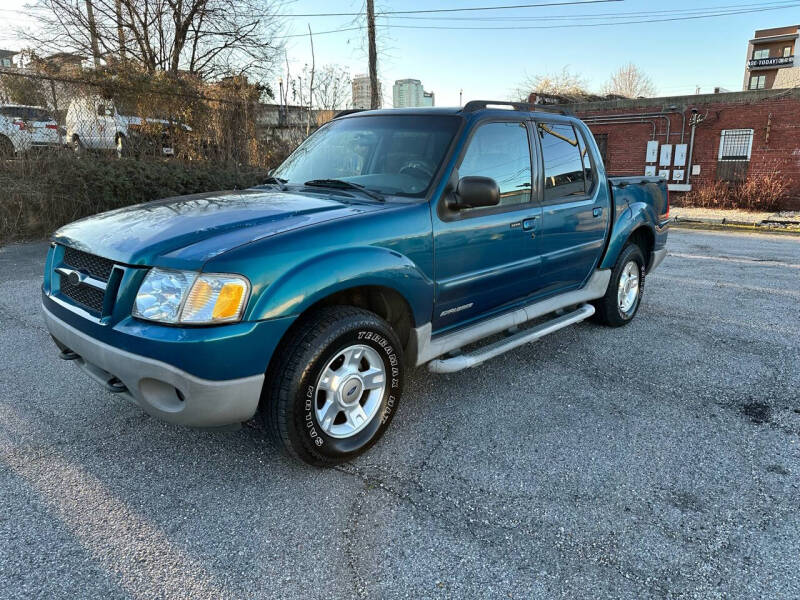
[464, 361]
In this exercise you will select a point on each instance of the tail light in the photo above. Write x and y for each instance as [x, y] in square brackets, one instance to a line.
[21, 124]
[52, 126]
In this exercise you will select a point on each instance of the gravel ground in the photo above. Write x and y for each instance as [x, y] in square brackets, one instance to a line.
[655, 461]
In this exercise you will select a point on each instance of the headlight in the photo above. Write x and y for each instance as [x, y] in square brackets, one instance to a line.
[193, 298]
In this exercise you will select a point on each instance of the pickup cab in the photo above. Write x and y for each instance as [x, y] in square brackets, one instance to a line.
[388, 240]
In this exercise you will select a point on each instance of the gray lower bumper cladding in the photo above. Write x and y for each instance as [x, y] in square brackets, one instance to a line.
[161, 389]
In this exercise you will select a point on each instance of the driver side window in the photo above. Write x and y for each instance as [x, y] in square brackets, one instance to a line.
[501, 151]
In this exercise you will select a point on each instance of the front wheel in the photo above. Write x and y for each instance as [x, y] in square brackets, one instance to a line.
[335, 386]
[624, 293]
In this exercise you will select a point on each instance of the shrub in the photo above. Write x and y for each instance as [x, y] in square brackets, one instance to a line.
[766, 191]
[37, 196]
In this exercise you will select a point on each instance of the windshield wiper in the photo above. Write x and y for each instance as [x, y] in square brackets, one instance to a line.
[343, 184]
[281, 183]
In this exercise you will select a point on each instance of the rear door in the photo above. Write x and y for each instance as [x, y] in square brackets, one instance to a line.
[574, 206]
[485, 257]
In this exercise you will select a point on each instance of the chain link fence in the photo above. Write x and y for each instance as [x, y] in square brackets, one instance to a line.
[76, 145]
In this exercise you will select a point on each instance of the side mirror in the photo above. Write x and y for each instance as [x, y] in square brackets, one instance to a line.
[474, 192]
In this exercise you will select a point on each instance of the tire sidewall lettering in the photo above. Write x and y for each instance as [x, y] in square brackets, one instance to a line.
[393, 390]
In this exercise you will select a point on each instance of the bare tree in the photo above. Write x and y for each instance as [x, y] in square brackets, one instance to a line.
[332, 90]
[565, 83]
[206, 38]
[630, 81]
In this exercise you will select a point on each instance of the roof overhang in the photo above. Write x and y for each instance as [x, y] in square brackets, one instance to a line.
[786, 37]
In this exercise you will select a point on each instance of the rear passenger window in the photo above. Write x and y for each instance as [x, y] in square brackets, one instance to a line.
[587, 162]
[563, 165]
[501, 151]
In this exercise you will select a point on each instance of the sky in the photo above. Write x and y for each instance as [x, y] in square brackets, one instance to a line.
[678, 55]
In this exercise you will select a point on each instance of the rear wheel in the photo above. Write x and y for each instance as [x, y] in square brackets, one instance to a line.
[624, 293]
[335, 386]
[6, 147]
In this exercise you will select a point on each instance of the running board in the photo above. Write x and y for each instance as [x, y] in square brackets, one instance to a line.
[425, 347]
[464, 361]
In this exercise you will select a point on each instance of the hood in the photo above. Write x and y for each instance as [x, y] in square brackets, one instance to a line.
[185, 232]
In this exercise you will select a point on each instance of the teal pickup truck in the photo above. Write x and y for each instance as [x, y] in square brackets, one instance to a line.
[388, 240]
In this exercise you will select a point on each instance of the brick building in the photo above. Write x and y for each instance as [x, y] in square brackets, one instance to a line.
[736, 135]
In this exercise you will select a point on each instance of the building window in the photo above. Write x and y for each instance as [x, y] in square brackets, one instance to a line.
[735, 147]
[735, 144]
[787, 51]
[762, 53]
[758, 82]
[6, 62]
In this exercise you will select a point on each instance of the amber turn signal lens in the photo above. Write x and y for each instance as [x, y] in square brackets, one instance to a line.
[229, 301]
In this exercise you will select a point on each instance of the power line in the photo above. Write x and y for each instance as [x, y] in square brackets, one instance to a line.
[444, 10]
[690, 15]
[614, 22]
[681, 11]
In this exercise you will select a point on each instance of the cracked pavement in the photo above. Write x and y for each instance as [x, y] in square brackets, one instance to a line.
[659, 460]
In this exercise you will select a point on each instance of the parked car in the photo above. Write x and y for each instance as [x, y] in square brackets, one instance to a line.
[388, 240]
[24, 128]
[95, 123]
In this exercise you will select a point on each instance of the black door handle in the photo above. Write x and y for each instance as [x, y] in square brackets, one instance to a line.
[529, 223]
[597, 212]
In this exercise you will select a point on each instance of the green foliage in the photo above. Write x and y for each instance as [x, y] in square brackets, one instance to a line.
[38, 196]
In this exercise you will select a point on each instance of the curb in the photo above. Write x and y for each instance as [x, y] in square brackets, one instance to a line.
[779, 227]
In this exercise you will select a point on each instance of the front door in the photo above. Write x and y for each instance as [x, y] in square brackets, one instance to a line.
[486, 258]
[575, 208]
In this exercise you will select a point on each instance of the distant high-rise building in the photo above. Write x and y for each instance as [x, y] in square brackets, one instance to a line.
[408, 93]
[362, 92]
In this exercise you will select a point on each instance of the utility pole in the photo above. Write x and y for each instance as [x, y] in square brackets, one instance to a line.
[374, 97]
[93, 32]
[120, 30]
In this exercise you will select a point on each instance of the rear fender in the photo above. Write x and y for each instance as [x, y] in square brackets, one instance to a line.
[630, 220]
[322, 276]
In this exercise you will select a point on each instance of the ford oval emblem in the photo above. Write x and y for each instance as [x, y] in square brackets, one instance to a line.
[73, 278]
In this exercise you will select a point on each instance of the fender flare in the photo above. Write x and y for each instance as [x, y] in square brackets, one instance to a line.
[315, 279]
[632, 219]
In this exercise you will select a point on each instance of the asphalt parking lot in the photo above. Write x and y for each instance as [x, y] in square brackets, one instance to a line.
[661, 460]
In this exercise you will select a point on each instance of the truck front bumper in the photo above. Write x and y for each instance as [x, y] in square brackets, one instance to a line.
[159, 388]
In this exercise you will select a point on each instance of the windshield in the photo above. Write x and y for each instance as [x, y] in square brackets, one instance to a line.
[389, 154]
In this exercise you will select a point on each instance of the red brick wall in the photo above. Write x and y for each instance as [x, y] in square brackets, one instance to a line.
[627, 142]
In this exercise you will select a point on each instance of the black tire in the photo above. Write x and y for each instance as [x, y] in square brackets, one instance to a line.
[290, 397]
[6, 147]
[607, 309]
